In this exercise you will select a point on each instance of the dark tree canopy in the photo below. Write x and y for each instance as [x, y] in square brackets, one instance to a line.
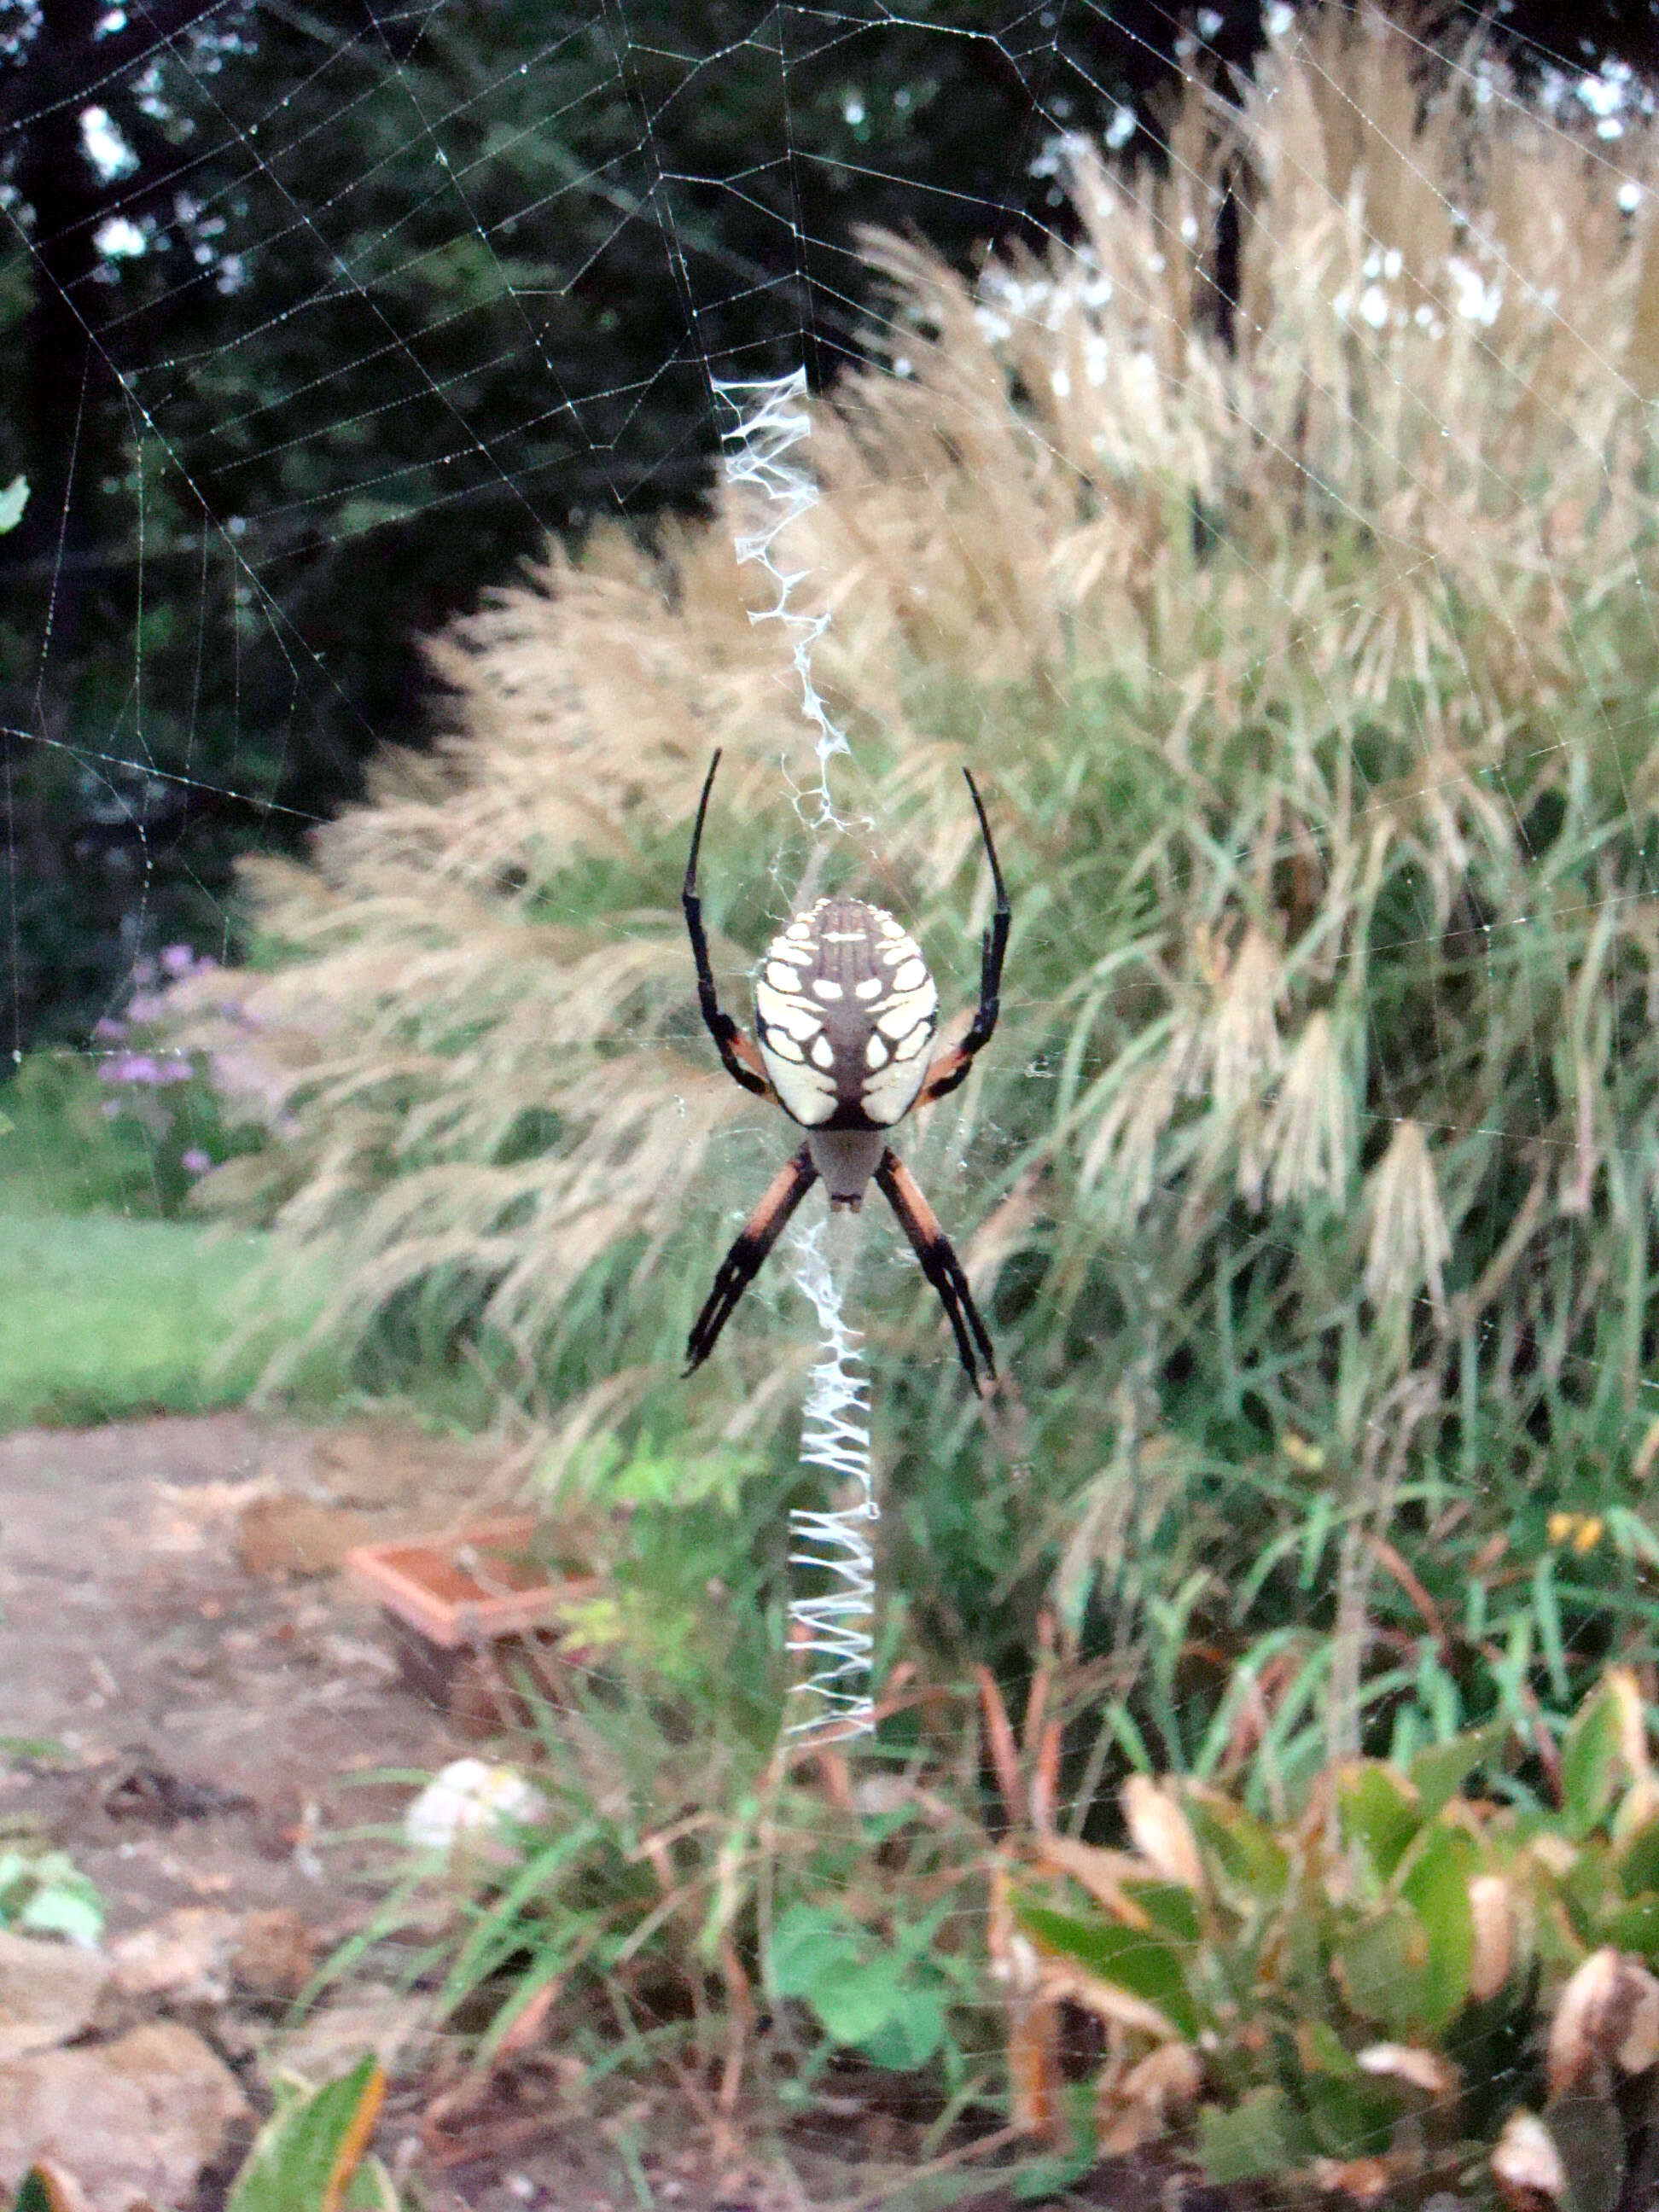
[315, 319]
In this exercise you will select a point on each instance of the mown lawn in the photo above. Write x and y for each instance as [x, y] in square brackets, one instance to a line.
[102, 1317]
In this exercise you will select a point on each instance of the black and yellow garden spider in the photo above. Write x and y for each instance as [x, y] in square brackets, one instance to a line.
[845, 1011]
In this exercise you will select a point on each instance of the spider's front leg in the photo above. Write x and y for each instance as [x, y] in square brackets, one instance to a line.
[744, 1262]
[740, 1055]
[941, 1266]
[954, 1062]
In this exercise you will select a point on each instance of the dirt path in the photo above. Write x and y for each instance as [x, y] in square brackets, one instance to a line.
[190, 1700]
[212, 1717]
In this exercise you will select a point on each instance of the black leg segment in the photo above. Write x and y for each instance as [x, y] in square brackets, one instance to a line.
[742, 1061]
[951, 1066]
[744, 1262]
[941, 1266]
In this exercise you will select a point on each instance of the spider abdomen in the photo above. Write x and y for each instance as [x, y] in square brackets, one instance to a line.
[845, 1010]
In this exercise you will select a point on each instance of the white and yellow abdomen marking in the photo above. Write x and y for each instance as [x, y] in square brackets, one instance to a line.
[845, 1011]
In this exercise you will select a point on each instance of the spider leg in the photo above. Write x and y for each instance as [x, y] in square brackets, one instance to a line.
[741, 1056]
[953, 1063]
[742, 1262]
[940, 1265]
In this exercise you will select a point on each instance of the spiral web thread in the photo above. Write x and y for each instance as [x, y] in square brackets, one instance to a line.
[831, 1629]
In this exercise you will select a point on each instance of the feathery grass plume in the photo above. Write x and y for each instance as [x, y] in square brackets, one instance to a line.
[1245, 1049]
[1310, 1133]
[1335, 647]
[1409, 1243]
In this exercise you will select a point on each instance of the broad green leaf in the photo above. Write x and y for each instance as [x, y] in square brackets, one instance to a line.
[1170, 1905]
[1590, 1891]
[1321, 2050]
[1144, 1964]
[58, 1909]
[1438, 1890]
[13, 500]
[308, 2155]
[370, 2189]
[1634, 1927]
[862, 1991]
[1352, 2118]
[1590, 1763]
[1637, 1861]
[807, 1944]
[1256, 2140]
[1244, 1848]
[1440, 1770]
[910, 2036]
[858, 1998]
[1383, 1965]
[1381, 1813]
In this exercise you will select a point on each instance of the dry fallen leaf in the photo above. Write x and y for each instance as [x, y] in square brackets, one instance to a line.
[1526, 2166]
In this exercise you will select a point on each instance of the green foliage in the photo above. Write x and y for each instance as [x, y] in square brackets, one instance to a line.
[309, 2155]
[1308, 1183]
[885, 1999]
[1377, 1979]
[74, 1141]
[682, 1876]
[46, 1893]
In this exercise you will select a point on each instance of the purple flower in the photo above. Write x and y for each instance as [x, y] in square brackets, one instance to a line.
[174, 1070]
[177, 959]
[134, 1068]
[195, 1162]
[107, 1026]
[111, 1108]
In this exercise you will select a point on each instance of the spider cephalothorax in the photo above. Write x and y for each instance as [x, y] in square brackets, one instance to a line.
[845, 1014]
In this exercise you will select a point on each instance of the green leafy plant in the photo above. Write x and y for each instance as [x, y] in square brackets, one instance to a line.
[885, 1999]
[310, 2154]
[1391, 1977]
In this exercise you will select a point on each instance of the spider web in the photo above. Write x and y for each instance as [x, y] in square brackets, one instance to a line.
[163, 902]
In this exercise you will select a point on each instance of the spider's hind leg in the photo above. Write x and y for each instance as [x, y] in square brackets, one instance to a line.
[745, 1261]
[941, 1266]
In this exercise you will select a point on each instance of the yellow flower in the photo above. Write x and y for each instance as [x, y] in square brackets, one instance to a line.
[1583, 1531]
[1301, 1453]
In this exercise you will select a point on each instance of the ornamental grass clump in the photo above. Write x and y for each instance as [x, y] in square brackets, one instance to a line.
[1303, 645]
